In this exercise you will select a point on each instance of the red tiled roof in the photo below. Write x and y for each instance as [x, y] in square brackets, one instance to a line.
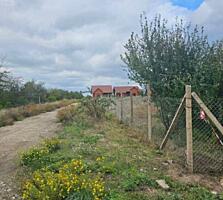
[103, 88]
[124, 88]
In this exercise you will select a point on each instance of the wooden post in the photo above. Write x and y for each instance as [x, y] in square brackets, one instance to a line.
[131, 102]
[149, 113]
[173, 123]
[121, 108]
[189, 128]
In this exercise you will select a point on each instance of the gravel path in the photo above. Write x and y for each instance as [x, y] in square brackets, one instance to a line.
[14, 139]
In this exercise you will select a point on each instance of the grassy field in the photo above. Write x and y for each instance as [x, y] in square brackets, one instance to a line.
[112, 153]
[9, 116]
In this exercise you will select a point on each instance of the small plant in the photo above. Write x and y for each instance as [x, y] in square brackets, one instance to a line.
[67, 114]
[72, 181]
[92, 139]
[52, 144]
[37, 153]
[104, 165]
[96, 107]
[135, 179]
[200, 194]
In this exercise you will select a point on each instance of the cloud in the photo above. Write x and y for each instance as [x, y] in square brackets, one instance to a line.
[72, 44]
[210, 15]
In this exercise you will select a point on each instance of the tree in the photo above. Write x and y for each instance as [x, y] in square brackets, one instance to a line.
[34, 92]
[15, 93]
[3, 75]
[169, 57]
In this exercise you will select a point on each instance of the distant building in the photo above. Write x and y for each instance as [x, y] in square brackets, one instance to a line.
[101, 90]
[126, 91]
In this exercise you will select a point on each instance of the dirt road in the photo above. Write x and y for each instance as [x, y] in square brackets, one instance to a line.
[15, 138]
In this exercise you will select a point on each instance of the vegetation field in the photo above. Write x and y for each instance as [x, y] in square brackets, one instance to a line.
[101, 159]
[9, 116]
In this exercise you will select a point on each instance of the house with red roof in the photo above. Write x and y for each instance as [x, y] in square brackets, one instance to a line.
[118, 91]
[126, 91]
[101, 90]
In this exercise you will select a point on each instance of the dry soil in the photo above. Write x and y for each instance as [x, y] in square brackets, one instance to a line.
[14, 139]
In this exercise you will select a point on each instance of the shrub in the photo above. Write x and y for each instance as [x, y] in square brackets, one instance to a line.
[6, 119]
[52, 144]
[37, 153]
[16, 114]
[72, 181]
[95, 107]
[67, 114]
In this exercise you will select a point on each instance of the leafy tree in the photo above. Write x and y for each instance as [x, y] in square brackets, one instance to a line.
[168, 57]
[58, 94]
[15, 93]
[3, 75]
[34, 92]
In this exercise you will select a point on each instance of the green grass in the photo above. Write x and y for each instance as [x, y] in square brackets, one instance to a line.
[126, 164]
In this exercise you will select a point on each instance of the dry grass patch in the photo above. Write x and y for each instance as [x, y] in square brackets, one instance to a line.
[9, 116]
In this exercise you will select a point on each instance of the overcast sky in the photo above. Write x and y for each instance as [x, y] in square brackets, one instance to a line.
[72, 44]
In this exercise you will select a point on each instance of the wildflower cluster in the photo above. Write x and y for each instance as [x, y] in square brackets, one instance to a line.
[72, 178]
[52, 144]
[36, 153]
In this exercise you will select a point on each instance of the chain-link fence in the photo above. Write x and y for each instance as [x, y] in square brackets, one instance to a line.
[176, 143]
[207, 140]
[133, 112]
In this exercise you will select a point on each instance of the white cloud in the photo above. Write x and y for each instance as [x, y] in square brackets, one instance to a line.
[210, 15]
[73, 44]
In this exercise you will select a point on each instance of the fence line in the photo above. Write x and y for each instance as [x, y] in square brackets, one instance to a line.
[176, 124]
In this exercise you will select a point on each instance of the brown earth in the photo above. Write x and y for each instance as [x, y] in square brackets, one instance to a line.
[14, 139]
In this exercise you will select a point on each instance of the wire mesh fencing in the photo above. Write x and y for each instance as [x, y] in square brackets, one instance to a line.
[207, 140]
[132, 111]
[135, 113]
[176, 143]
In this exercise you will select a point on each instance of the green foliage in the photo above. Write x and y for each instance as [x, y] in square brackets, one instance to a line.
[169, 57]
[86, 195]
[200, 194]
[16, 93]
[71, 181]
[134, 180]
[95, 107]
[58, 94]
[38, 154]
[90, 139]
[125, 165]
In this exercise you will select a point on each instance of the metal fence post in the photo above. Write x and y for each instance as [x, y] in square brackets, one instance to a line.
[149, 113]
[189, 128]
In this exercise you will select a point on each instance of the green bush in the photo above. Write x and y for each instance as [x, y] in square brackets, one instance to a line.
[95, 107]
[71, 181]
[38, 153]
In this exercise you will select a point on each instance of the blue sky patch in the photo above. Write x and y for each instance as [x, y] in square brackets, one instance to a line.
[189, 4]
